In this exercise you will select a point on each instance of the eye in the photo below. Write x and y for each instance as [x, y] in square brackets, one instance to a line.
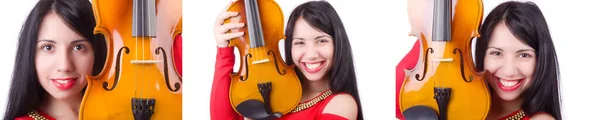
[47, 47]
[79, 47]
[322, 41]
[298, 43]
[495, 53]
[525, 55]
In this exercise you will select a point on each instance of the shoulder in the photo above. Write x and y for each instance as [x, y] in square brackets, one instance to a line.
[542, 116]
[342, 105]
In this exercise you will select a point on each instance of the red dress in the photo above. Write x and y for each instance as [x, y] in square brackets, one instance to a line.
[42, 114]
[177, 55]
[221, 109]
[517, 115]
[408, 62]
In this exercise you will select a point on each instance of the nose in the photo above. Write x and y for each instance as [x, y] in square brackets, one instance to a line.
[509, 69]
[63, 61]
[311, 52]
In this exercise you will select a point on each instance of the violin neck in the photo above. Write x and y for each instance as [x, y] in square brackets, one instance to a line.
[144, 18]
[255, 33]
[442, 19]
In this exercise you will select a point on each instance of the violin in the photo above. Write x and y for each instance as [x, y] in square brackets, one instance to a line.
[138, 80]
[264, 86]
[445, 81]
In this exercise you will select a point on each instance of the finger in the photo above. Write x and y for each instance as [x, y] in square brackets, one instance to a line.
[226, 27]
[230, 36]
[221, 18]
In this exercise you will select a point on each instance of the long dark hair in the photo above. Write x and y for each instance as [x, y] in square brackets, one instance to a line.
[26, 93]
[322, 16]
[526, 22]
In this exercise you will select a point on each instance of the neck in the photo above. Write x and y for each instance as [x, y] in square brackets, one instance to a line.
[311, 89]
[501, 108]
[67, 108]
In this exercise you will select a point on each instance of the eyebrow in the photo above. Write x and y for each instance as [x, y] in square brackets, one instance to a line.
[518, 51]
[322, 36]
[523, 50]
[52, 41]
[496, 48]
[298, 38]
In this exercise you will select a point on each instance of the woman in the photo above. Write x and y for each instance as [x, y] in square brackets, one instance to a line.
[317, 44]
[56, 50]
[517, 49]
[512, 47]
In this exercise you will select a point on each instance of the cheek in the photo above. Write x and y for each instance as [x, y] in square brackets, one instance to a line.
[297, 54]
[527, 67]
[327, 51]
[491, 64]
[84, 63]
[42, 65]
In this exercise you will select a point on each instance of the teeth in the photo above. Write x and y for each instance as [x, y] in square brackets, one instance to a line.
[62, 81]
[313, 66]
[508, 83]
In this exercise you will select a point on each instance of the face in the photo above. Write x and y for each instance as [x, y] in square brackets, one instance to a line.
[63, 58]
[511, 63]
[312, 51]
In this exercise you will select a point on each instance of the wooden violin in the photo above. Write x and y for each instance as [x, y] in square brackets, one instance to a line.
[138, 80]
[445, 79]
[264, 87]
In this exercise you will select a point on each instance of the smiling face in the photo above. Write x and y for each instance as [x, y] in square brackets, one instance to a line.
[63, 58]
[312, 51]
[511, 63]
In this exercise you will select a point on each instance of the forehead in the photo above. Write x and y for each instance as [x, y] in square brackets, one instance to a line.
[53, 28]
[504, 39]
[303, 29]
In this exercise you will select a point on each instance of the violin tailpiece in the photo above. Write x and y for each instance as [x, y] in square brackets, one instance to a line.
[256, 110]
[142, 108]
[442, 97]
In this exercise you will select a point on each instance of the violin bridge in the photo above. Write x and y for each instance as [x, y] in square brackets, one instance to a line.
[261, 61]
[443, 60]
[145, 61]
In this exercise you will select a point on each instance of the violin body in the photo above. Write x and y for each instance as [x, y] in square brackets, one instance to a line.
[445, 78]
[263, 78]
[138, 80]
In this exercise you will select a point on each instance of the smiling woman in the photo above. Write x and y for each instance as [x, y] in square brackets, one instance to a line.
[316, 43]
[56, 50]
[517, 49]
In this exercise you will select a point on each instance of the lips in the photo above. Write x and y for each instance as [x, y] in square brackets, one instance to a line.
[312, 67]
[64, 83]
[508, 85]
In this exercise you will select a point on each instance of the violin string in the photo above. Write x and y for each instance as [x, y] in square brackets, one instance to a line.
[135, 17]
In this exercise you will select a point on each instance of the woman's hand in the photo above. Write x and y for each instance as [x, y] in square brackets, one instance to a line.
[220, 30]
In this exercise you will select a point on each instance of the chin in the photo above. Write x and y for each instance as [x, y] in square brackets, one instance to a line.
[313, 78]
[61, 95]
[507, 96]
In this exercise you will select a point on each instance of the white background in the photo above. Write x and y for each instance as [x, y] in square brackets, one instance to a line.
[378, 34]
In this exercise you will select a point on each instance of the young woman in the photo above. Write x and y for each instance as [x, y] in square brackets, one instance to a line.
[56, 50]
[315, 36]
[516, 48]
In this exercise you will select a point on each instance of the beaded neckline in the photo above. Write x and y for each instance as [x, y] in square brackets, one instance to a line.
[36, 116]
[520, 115]
[312, 102]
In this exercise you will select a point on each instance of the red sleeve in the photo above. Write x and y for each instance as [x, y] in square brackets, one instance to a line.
[220, 108]
[177, 54]
[328, 116]
[408, 62]
[24, 118]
